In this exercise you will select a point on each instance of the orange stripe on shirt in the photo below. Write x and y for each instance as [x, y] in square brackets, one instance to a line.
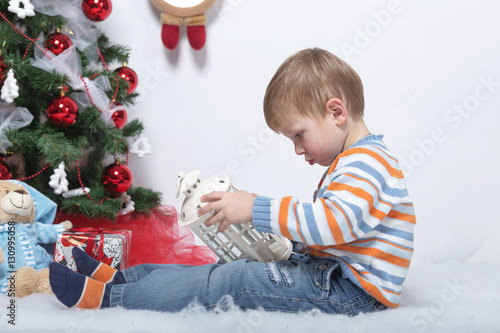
[376, 253]
[373, 186]
[402, 216]
[381, 241]
[352, 151]
[360, 193]
[333, 224]
[283, 217]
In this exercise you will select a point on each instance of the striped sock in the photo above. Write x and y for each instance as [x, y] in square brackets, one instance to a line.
[73, 289]
[88, 266]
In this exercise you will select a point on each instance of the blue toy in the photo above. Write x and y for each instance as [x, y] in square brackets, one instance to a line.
[26, 219]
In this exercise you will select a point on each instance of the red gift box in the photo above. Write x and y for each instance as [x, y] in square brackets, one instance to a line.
[110, 246]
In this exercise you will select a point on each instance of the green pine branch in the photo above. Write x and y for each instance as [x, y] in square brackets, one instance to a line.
[101, 205]
[132, 129]
[112, 52]
[144, 198]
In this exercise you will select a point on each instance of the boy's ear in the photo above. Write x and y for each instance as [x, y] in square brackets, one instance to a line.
[336, 109]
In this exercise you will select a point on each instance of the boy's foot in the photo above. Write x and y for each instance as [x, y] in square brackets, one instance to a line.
[73, 289]
[88, 266]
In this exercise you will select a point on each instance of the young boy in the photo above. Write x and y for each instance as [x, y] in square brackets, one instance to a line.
[355, 239]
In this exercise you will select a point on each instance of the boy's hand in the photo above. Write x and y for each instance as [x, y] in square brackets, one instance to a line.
[228, 207]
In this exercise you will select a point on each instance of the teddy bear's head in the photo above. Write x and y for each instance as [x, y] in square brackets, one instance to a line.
[16, 203]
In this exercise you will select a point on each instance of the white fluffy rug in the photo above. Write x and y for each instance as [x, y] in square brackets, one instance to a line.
[452, 296]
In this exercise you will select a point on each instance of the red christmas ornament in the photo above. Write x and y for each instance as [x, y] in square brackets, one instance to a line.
[5, 172]
[62, 112]
[119, 118]
[97, 10]
[130, 75]
[3, 70]
[57, 43]
[117, 178]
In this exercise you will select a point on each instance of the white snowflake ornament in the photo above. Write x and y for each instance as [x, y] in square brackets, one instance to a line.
[58, 180]
[128, 205]
[10, 89]
[26, 10]
[141, 147]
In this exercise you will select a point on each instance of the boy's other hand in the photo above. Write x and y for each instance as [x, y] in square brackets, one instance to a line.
[228, 207]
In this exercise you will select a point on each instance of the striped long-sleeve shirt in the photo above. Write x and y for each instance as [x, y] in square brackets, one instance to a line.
[361, 217]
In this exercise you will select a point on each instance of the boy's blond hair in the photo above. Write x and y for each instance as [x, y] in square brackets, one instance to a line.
[305, 82]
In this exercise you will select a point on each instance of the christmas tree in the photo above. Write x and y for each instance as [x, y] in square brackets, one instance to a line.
[63, 108]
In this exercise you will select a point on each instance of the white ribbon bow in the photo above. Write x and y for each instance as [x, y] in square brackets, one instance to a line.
[14, 118]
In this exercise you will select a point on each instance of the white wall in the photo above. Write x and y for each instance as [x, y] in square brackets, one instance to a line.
[422, 62]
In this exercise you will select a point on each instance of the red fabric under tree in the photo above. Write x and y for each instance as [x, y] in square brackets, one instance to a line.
[156, 238]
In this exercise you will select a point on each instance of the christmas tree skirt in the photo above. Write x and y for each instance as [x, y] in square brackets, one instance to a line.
[156, 238]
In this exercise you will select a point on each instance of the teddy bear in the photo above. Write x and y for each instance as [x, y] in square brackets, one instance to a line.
[26, 218]
[174, 12]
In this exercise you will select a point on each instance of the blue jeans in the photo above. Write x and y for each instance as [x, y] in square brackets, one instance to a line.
[302, 283]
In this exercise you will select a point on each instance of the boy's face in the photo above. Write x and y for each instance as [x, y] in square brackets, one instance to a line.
[320, 140]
